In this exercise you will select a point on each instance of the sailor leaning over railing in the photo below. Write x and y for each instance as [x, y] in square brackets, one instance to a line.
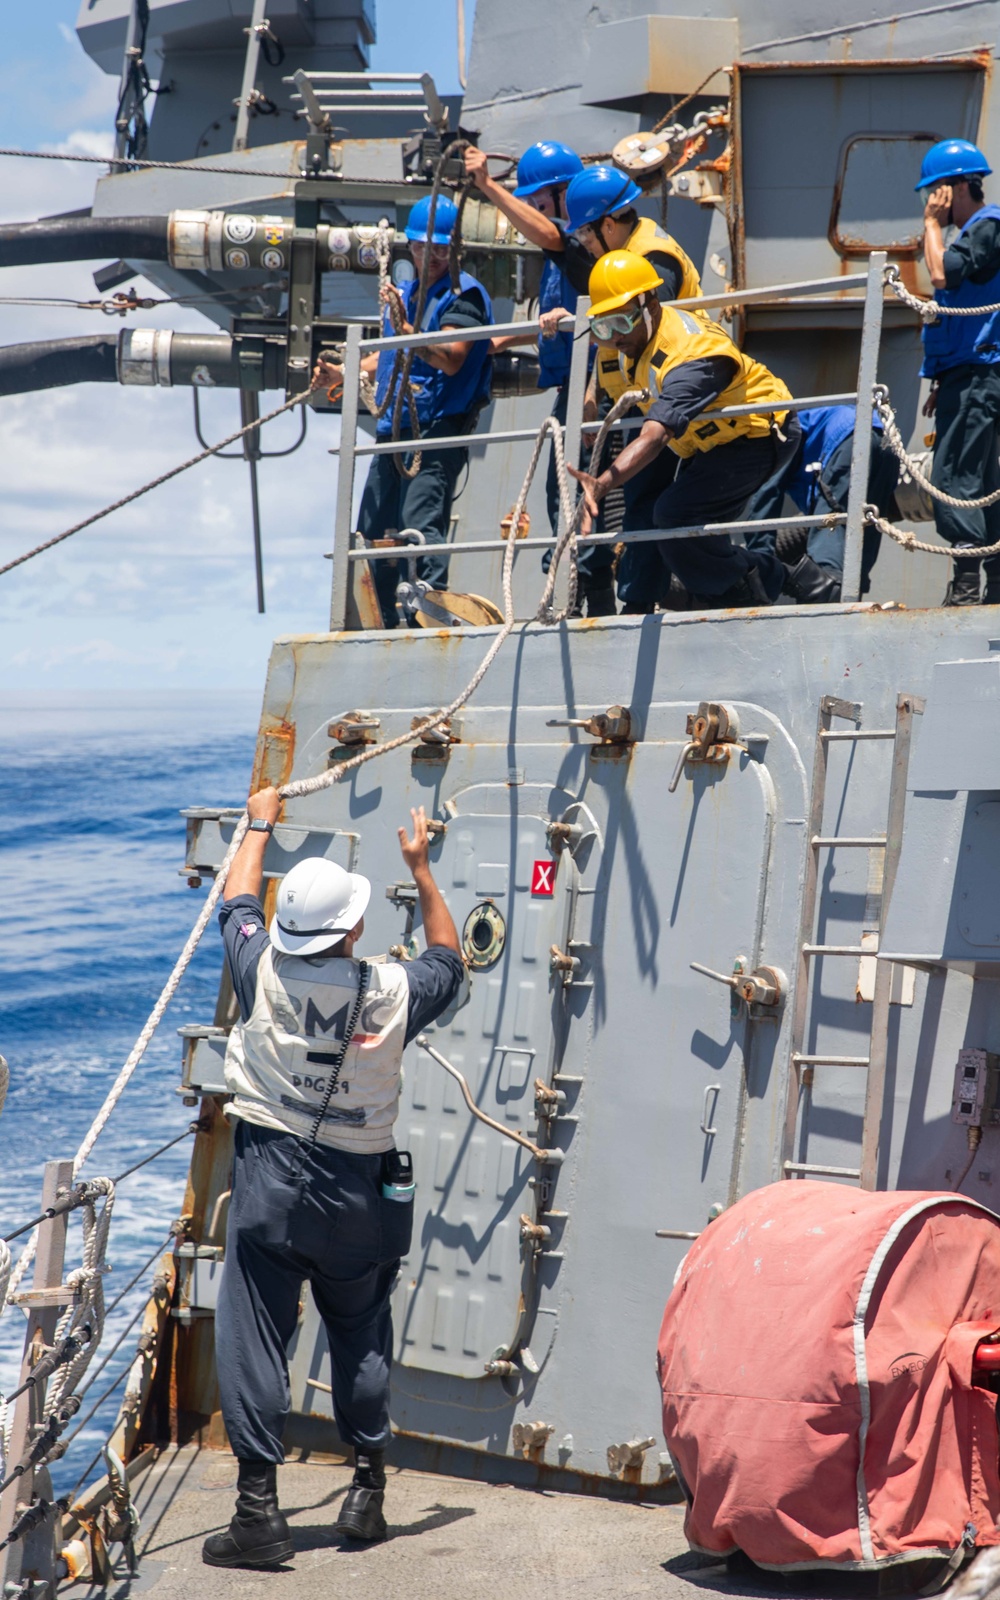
[688, 366]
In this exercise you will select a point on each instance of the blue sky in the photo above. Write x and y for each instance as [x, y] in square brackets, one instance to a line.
[161, 595]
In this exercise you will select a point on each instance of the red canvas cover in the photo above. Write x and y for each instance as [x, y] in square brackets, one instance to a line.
[815, 1361]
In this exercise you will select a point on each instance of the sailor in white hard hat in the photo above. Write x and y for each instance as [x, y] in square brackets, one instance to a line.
[319, 1192]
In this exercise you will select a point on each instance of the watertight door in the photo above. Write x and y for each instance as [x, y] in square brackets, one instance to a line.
[458, 1299]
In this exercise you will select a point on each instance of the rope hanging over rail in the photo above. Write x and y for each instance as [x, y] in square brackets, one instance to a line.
[894, 439]
[929, 310]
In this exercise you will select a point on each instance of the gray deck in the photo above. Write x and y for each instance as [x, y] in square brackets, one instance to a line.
[449, 1538]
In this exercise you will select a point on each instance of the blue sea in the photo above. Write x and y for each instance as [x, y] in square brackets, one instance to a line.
[95, 914]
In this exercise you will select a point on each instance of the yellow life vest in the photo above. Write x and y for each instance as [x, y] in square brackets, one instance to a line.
[682, 337]
[647, 236]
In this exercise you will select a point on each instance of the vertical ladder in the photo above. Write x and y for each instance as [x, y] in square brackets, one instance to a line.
[801, 1065]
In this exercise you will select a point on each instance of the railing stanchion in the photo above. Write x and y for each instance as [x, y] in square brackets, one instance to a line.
[577, 392]
[871, 334]
[343, 531]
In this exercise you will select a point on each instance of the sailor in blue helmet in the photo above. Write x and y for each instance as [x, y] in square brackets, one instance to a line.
[816, 479]
[537, 209]
[451, 384]
[602, 216]
[962, 357]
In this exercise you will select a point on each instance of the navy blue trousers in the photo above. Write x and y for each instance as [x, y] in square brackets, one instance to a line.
[302, 1214]
[391, 501]
[715, 487]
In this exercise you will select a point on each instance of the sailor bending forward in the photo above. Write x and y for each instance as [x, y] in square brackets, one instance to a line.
[314, 1069]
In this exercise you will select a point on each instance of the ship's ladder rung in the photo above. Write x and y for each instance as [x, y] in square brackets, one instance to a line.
[849, 841]
[830, 1061]
[835, 950]
[822, 1172]
[828, 734]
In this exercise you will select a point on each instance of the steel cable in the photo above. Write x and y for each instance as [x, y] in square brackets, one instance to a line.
[155, 483]
[133, 164]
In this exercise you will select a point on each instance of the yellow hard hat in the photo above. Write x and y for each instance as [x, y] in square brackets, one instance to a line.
[617, 278]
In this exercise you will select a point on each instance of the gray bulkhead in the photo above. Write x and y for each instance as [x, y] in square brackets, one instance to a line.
[674, 1099]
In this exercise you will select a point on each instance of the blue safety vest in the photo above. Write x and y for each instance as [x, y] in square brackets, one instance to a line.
[824, 430]
[555, 355]
[437, 394]
[964, 341]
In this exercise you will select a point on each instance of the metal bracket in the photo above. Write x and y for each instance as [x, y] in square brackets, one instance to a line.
[614, 726]
[402, 894]
[713, 734]
[355, 727]
[764, 986]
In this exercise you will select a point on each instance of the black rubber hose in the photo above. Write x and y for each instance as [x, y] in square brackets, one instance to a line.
[25, 244]
[51, 363]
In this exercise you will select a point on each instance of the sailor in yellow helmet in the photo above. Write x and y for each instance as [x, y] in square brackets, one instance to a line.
[689, 369]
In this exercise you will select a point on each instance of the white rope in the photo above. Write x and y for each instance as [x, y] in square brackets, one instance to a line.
[383, 250]
[4, 1273]
[930, 310]
[88, 1281]
[909, 541]
[894, 439]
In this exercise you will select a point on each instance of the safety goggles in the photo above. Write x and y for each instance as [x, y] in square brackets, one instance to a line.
[605, 328]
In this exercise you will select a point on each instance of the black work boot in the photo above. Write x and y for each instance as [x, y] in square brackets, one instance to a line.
[963, 590]
[361, 1513]
[991, 593]
[601, 602]
[749, 591]
[811, 585]
[258, 1533]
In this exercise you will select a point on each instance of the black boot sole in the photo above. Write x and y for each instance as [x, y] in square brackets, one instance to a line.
[361, 1529]
[268, 1555]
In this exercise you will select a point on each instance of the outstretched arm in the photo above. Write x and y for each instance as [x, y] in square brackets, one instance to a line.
[536, 228]
[246, 875]
[439, 927]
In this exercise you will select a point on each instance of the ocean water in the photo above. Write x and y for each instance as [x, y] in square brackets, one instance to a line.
[95, 914]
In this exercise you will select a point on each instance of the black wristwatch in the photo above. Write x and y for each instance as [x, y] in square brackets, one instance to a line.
[260, 825]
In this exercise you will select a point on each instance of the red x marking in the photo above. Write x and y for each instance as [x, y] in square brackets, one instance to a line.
[543, 877]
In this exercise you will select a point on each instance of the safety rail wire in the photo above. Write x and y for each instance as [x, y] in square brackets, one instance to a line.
[155, 483]
[131, 163]
[566, 545]
[460, 441]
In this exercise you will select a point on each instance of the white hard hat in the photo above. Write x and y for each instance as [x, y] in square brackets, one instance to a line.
[318, 902]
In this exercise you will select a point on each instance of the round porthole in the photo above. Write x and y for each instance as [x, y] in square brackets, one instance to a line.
[484, 935]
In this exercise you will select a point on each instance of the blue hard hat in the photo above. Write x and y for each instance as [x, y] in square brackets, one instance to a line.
[952, 158]
[445, 218]
[546, 163]
[598, 192]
